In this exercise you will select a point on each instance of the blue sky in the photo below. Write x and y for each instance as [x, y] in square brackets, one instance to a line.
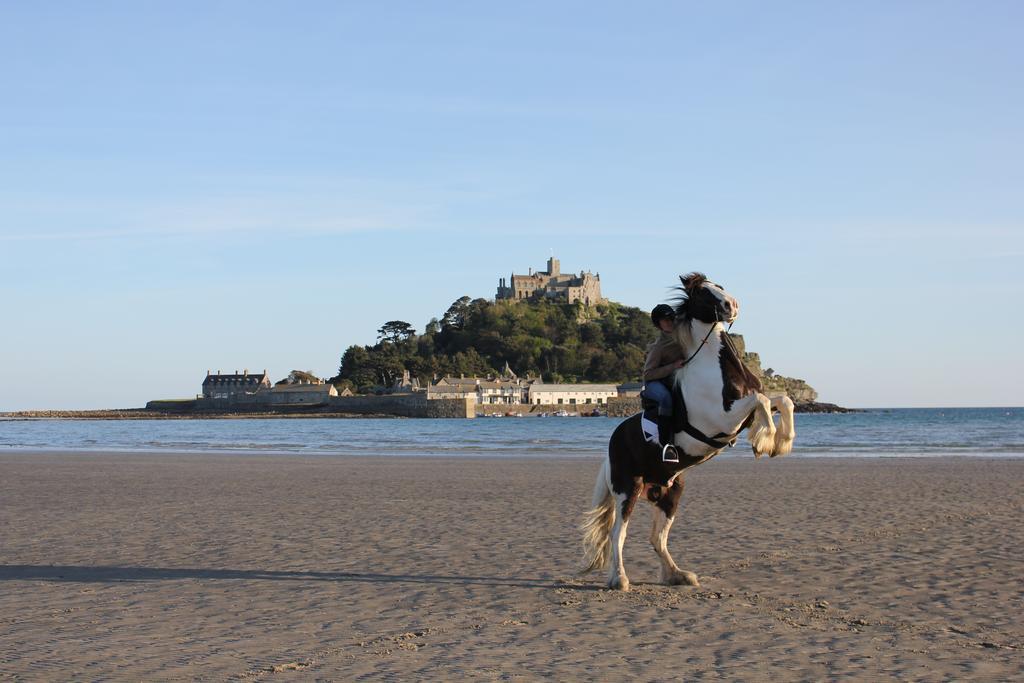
[228, 185]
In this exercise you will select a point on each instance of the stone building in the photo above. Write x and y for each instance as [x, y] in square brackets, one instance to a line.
[406, 384]
[454, 387]
[553, 284]
[235, 386]
[302, 394]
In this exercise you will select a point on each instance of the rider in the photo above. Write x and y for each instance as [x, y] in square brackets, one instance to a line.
[664, 357]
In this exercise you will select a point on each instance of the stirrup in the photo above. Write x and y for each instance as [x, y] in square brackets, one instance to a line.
[669, 453]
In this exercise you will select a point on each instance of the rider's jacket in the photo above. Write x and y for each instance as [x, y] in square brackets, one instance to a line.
[662, 354]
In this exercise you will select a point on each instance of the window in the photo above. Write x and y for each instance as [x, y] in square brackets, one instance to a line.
[600, 401]
[587, 401]
[559, 401]
[572, 401]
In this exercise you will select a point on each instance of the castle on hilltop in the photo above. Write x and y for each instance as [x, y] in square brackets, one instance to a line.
[553, 284]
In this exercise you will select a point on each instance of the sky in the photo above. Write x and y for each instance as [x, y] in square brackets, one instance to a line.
[196, 186]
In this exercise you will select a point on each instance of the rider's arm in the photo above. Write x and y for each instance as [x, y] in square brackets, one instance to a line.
[655, 368]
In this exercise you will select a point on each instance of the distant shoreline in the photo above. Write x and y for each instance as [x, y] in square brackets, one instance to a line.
[144, 414]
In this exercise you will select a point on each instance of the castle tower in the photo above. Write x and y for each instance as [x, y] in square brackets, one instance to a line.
[553, 267]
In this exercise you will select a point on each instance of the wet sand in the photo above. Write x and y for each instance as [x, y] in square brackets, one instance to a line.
[178, 567]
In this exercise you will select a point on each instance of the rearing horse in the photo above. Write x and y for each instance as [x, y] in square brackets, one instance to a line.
[721, 397]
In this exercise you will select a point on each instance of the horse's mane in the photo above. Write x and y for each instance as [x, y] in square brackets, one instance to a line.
[744, 380]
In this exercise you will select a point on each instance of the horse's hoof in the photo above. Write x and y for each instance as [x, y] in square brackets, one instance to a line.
[619, 583]
[782, 447]
[681, 578]
[762, 440]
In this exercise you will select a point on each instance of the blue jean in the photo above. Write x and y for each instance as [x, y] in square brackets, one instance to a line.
[655, 390]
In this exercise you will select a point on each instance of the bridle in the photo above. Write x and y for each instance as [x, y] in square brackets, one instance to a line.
[708, 335]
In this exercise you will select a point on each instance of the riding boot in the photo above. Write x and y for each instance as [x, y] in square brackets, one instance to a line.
[668, 451]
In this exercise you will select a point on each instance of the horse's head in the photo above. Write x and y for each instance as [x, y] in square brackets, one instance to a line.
[703, 300]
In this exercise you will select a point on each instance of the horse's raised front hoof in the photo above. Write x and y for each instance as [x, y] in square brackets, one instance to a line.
[762, 440]
[681, 578]
[782, 447]
[618, 583]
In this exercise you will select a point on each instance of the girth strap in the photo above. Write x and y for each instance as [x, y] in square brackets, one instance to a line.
[713, 442]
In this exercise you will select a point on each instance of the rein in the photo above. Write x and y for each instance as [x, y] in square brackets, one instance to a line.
[708, 335]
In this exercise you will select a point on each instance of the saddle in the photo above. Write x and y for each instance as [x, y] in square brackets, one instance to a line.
[680, 423]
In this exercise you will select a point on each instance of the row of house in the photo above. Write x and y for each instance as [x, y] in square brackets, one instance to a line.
[508, 389]
[515, 391]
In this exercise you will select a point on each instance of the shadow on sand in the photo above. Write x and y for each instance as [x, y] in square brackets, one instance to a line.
[108, 574]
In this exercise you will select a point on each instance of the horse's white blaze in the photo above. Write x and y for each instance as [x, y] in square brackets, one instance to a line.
[724, 297]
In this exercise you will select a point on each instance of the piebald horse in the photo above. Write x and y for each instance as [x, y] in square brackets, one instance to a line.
[721, 397]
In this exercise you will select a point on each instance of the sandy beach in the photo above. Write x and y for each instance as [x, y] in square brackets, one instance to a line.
[178, 567]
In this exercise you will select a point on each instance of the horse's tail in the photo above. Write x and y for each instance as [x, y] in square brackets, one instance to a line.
[597, 523]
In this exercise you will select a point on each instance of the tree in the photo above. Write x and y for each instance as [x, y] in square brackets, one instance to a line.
[300, 376]
[387, 365]
[456, 315]
[343, 384]
[395, 331]
[590, 333]
[354, 358]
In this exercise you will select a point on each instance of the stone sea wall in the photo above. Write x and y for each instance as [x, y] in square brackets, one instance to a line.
[395, 405]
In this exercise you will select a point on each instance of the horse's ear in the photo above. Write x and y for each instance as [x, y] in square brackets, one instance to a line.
[692, 281]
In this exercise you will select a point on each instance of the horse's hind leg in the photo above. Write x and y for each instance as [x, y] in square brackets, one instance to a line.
[786, 432]
[665, 506]
[625, 502]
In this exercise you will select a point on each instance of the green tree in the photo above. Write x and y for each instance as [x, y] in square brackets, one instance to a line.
[456, 315]
[395, 331]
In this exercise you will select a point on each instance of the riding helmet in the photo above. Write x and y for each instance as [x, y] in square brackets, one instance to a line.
[662, 312]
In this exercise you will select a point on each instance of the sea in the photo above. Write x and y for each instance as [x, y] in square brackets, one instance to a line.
[897, 432]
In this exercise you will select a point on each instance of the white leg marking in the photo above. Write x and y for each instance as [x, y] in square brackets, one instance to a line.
[617, 573]
[670, 571]
[786, 432]
[762, 430]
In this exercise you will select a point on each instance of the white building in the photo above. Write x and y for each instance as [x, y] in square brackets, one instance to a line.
[572, 394]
